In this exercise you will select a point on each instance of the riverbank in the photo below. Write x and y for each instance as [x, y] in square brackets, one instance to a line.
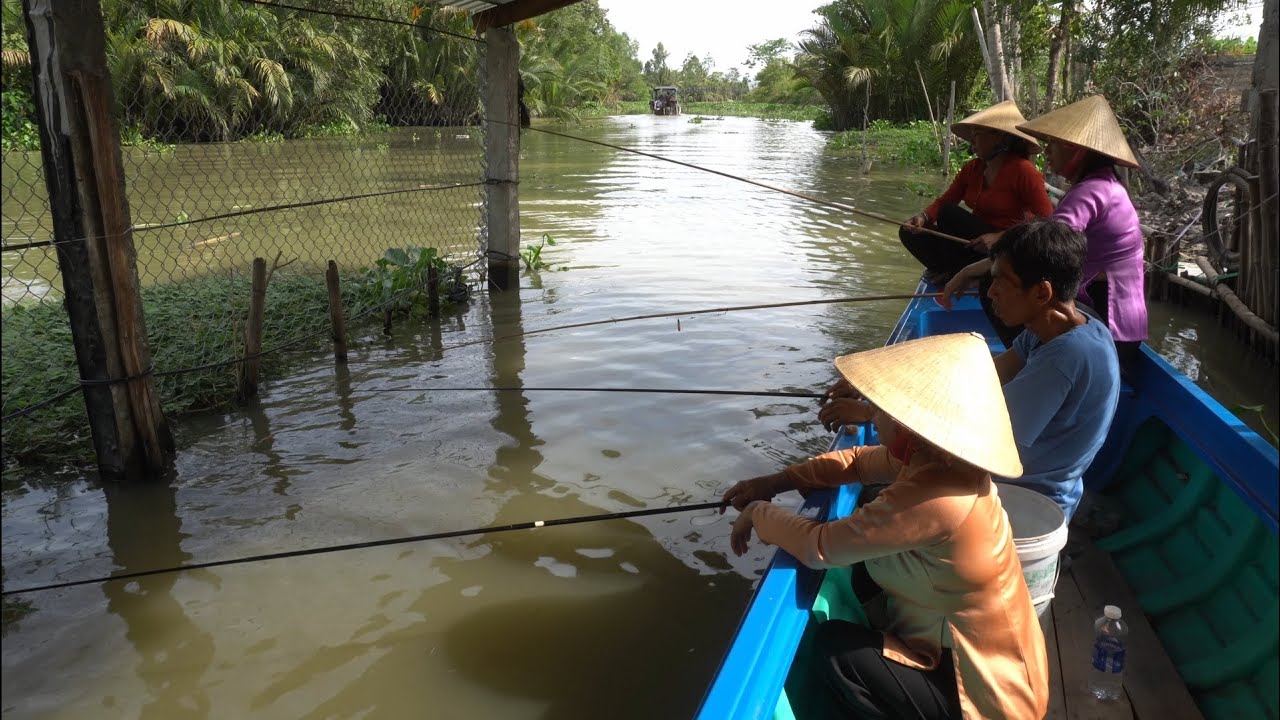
[764, 111]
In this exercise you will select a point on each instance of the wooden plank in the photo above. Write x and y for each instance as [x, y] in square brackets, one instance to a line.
[1151, 680]
[1057, 703]
[1073, 619]
[515, 11]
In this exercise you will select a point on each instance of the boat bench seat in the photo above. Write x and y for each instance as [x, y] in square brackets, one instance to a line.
[1153, 688]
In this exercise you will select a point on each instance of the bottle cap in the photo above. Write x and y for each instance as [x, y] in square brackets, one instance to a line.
[1112, 612]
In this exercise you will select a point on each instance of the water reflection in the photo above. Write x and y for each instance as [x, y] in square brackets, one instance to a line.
[144, 532]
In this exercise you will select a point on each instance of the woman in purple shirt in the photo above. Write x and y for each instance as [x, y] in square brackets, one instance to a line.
[1085, 145]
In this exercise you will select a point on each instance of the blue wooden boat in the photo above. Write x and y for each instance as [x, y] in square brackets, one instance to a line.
[1193, 545]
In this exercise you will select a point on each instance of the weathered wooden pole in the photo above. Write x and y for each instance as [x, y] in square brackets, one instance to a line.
[502, 156]
[946, 132]
[337, 320]
[433, 291]
[249, 369]
[80, 149]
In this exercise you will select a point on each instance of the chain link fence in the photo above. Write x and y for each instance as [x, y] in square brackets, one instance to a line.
[300, 133]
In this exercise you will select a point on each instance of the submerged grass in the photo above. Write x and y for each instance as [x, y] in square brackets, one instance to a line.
[189, 324]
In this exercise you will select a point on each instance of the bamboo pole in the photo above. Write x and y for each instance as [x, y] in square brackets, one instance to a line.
[250, 368]
[433, 291]
[336, 319]
[1229, 297]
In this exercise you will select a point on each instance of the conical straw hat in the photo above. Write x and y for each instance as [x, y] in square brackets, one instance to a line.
[943, 388]
[1003, 116]
[1088, 123]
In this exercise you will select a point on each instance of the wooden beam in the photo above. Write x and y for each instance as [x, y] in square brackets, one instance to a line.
[513, 12]
[502, 157]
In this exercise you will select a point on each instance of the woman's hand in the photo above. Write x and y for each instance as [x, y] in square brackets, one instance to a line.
[984, 243]
[742, 530]
[841, 389]
[745, 492]
[917, 221]
[844, 411]
[963, 280]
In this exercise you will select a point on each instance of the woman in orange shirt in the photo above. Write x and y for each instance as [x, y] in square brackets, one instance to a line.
[953, 632]
[1001, 187]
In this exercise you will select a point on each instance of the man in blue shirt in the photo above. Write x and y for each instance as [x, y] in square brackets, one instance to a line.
[1061, 378]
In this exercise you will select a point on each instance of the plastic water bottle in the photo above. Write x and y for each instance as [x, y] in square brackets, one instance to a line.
[1109, 633]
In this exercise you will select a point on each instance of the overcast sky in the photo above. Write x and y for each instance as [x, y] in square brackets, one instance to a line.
[724, 29]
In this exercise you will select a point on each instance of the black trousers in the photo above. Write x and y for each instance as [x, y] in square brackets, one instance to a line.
[948, 257]
[1098, 292]
[868, 685]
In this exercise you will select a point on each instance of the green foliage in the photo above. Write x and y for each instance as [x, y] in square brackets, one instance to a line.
[400, 276]
[1230, 46]
[912, 144]
[864, 54]
[18, 132]
[532, 254]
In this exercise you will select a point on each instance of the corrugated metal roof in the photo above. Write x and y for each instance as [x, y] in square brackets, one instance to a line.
[471, 7]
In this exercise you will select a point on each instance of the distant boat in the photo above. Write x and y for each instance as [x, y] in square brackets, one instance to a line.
[665, 100]
[1192, 558]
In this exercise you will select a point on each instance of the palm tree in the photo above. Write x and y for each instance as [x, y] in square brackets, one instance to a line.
[864, 54]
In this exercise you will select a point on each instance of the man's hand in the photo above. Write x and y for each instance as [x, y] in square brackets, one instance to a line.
[745, 492]
[741, 534]
[962, 282]
[844, 411]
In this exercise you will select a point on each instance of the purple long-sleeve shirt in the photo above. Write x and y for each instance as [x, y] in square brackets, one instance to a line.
[1099, 207]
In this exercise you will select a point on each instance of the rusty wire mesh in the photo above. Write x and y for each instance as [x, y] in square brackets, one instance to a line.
[254, 131]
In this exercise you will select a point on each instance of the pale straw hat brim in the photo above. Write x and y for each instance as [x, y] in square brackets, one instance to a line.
[1003, 117]
[943, 388]
[1088, 123]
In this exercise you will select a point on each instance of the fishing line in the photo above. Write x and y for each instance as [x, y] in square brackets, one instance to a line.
[375, 543]
[757, 183]
[706, 311]
[658, 391]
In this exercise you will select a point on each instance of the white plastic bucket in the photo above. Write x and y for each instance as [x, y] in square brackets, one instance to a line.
[1039, 534]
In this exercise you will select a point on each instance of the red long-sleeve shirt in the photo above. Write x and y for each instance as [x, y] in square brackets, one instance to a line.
[1017, 194]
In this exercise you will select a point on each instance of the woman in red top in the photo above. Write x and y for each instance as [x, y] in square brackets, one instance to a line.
[1001, 188]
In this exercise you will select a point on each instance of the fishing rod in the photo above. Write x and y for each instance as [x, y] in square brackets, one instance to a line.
[372, 544]
[663, 391]
[705, 311]
[816, 200]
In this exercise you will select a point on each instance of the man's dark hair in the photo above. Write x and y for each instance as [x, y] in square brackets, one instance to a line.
[1044, 250]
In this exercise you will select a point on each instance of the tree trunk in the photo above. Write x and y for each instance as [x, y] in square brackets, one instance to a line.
[995, 44]
[1014, 47]
[1057, 51]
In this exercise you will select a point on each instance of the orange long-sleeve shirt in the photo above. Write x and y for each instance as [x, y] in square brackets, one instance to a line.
[1015, 195]
[938, 541]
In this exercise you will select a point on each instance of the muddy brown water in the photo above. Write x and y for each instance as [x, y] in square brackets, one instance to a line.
[623, 619]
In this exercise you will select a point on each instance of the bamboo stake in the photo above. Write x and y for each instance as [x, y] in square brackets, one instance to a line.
[253, 331]
[433, 291]
[946, 132]
[336, 319]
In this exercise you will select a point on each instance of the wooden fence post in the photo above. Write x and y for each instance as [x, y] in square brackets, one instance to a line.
[502, 157]
[336, 319]
[433, 291]
[80, 149]
[250, 368]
